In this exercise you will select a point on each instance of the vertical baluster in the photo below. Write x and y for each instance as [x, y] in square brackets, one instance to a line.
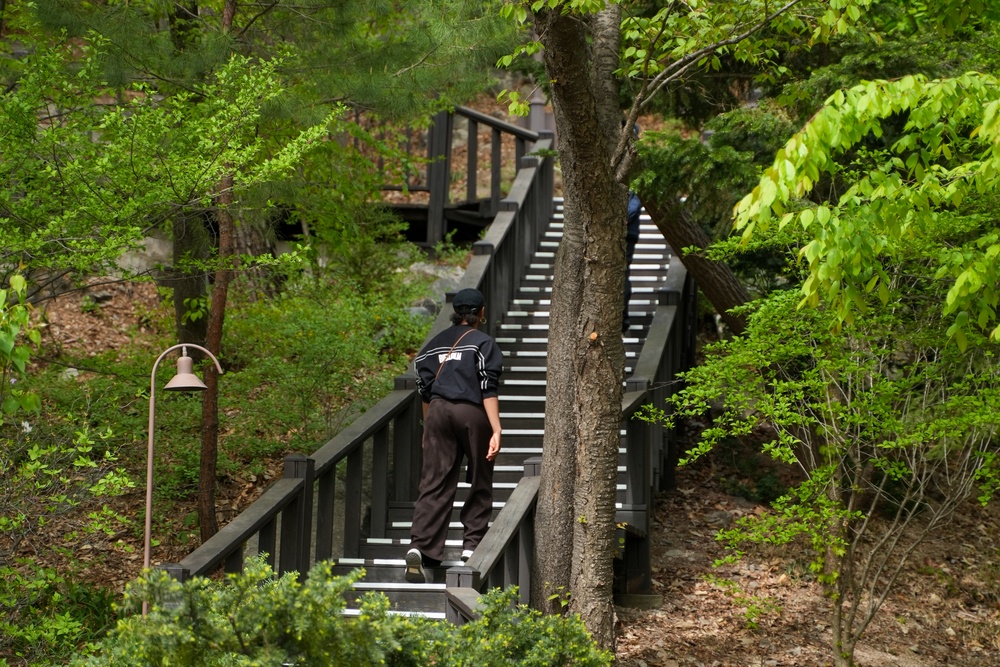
[496, 147]
[380, 479]
[352, 504]
[266, 542]
[511, 561]
[234, 561]
[296, 518]
[525, 549]
[473, 160]
[438, 176]
[325, 504]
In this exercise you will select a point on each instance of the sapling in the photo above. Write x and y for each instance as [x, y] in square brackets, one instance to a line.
[887, 422]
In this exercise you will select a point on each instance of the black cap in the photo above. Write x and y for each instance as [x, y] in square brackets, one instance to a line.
[468, 300]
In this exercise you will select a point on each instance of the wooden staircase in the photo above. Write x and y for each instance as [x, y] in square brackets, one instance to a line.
[350, 501]
[522, 335]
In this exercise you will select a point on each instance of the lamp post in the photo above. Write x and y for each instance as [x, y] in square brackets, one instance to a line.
[184, 380]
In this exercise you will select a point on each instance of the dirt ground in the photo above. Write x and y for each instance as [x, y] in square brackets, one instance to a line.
[944, 612]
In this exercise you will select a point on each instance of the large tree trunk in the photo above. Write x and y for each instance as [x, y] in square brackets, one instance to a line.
[586, 355]
[254, 239]
[715, 279]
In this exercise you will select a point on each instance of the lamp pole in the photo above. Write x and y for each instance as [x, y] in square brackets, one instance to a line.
[184, 380]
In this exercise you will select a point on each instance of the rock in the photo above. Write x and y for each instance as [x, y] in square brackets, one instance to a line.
[432, 306]
[447, 278]
[719, 518]
[420, 312]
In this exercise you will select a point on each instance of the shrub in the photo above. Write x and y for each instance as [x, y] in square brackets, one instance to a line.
[256, 618]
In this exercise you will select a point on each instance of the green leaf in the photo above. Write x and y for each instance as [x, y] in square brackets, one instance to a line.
[18, 283]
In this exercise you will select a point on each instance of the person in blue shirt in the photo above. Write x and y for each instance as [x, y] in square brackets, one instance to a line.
[631, 240]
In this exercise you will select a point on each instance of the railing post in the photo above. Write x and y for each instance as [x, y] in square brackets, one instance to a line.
[525, 554]
[496, 148]
[462, 576]
[296, 519]
[352, 503]
[472, 173]
[380, 491]
[438, 175]
[533, 466]
[546, 180]
[178, 572]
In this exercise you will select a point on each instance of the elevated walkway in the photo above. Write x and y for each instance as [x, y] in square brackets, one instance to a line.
[351, 501]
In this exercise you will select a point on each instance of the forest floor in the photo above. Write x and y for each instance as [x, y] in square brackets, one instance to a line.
[945, 609]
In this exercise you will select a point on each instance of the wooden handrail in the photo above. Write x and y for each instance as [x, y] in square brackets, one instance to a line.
[502, 559]
[439, 177]
[503, 126]
[237, 532]
[504, 529]
[362, 428]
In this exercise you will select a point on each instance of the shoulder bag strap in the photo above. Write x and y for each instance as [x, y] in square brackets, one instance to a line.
[452, 350]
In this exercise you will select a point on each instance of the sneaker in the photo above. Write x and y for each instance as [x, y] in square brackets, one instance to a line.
[415, 573]
[466, 555]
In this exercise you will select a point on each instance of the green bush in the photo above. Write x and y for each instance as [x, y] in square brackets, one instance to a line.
[309, 360]
[256, 618]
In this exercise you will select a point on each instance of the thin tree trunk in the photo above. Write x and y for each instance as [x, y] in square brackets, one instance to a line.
[586, 355]
[182, 19]
[210, 401]
[228, 264]
[715, 279]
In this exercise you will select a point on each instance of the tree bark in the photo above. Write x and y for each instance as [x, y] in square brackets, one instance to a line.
[715, 279]
[556, 494]
[586, 355]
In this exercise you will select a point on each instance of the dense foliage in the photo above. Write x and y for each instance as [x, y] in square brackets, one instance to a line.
[866, 366]
[256, 618]
[121, 120]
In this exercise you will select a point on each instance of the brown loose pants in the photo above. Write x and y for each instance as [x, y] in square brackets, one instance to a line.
[452, 430]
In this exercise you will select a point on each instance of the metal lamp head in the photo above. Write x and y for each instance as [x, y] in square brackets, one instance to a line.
[185, 380]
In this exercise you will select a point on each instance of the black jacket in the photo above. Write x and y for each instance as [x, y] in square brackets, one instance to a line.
[470, 373]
